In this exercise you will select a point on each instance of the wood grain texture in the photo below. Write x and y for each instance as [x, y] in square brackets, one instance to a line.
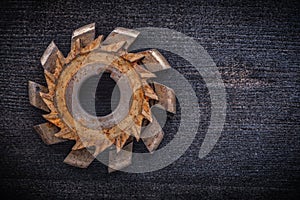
[256, 47]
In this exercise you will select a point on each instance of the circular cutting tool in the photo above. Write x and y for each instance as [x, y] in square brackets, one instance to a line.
[132, 72]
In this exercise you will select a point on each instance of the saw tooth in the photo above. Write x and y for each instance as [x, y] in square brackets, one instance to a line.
[75, 50]
[79, 158]
[132, 57]
[121, 34]
[124, 124]
[50, 79]
[93, 45]
[60, 58]
[46, 96]
[152, 135]
[114, 47]
[77, 47]
[138, 121]
[47, 133]
[166, 97]
[54, 119]
[154, 61]
[66, 134]
[78, 145]
[98, 140]
[118, 143]
[112, 133]
[101, 146]
[135, 105]
[86, 34]
[51, 86]
[49, 104]
[148, 91]
[121, 140]
[119, 160]
[51, 54]
[135, 132]
[99, 149]
[59, 68]
[145, 74]
[146, 112]
[51, 116]
[35, 98]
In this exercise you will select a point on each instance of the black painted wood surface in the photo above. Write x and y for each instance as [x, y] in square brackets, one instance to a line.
[256, 48]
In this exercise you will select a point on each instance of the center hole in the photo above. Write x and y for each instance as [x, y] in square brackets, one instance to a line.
[99, 97]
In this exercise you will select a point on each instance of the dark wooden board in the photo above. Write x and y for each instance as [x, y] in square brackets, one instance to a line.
[257, 156]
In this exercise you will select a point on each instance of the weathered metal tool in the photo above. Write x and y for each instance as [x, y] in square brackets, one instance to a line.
[132, 73]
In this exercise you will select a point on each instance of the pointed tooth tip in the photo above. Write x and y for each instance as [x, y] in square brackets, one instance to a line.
[83, 29]
[152, 96]
[52, 43]
[34, 85]
[79, 158]
[31, 82]
[110, 170]
[126, 31]
[149, 119]
[49, 75]
[113, 47]
[46, 96]
[147, 114]
[42, 94]
[51, 116]
[91, 25]
[46, 132]
[35, 98]
[135, 132]
[133, 57]
[167, 97]
[155, 61]
[48, 52]
[62, 135]
[59, 134]
[118, 148]
[137, 137]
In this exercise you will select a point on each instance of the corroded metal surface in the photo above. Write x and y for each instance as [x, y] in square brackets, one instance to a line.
[131, 71]
[152, 135]
[119, 160]
[47, 131]
[35, 99]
